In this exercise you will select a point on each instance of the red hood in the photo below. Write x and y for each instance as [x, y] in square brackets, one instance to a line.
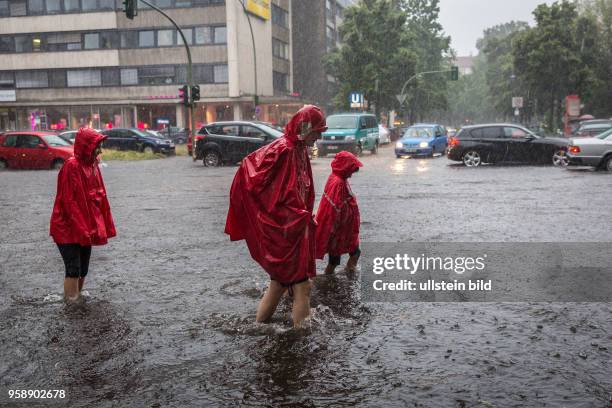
[85, 143]
[345, 164]
[309, 114]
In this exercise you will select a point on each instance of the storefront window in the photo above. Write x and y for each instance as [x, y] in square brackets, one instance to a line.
[80, 116]
[57, 117]
[110, 117]
[148, 115]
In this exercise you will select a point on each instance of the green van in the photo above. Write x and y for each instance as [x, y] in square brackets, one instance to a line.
[353, 132]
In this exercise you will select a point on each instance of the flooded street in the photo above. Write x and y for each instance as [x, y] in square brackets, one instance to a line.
[169, 320]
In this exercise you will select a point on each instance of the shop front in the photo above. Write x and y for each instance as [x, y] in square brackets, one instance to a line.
[60, 118]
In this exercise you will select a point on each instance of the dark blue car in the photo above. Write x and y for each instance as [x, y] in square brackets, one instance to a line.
[422, 139]
[136, 139]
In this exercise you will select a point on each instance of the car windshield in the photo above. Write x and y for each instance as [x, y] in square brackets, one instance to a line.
[273, 131]
[152, 133]
[419, 132]
[55, 141]
[341, 122]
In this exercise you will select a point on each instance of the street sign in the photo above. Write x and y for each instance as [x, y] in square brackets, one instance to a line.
[161, 121]
[401, 98]
[516, 112]
[517, 102]
[356, 100]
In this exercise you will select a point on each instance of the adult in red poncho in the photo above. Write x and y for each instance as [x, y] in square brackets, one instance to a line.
[338, 215]
[271, 203]
[81, 214]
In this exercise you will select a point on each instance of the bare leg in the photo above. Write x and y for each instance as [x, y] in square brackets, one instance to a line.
[330, 269]
[269, 302]
[301, 303]
[81, 283]
[71, 289]
[351, 264]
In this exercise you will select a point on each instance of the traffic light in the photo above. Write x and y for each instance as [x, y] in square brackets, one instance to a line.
[184, 95]
[195, 93]
[130, 7]
[454, 73]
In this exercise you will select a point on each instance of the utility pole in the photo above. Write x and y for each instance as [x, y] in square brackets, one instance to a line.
[256, 94]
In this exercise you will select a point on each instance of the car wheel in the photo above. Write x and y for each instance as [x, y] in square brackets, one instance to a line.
[57, 164]
[358, 149]
[375, 148]
[471, 158]
[212, 159]
[608, 164]
[559, 158]
[148, 150]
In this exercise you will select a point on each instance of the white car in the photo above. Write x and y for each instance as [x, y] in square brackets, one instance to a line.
[383, 135]
[592, 151]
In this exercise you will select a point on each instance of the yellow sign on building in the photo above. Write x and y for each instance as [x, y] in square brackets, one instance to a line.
[261, 8]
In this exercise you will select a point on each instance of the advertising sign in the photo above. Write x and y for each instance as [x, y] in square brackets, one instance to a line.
[7, 95]
[259, 8]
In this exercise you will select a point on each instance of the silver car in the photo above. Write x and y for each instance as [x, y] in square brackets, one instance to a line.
[592, 151]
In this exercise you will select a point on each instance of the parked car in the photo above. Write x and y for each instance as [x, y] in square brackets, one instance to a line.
[176, 134]
[229, 142]
[68, 136]
[450, 132]
[138, 140]
[500, 142]
[33, 150]
[423, 139]
[591, 128]
[353, 132]
[384, 135]
[592, 151]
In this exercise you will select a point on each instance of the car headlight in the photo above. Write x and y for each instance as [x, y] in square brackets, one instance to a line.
[158, 142]
[424, 144]
[399, 145]
[349, 138]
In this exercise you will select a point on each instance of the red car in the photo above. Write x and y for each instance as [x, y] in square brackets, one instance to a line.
[33, 150]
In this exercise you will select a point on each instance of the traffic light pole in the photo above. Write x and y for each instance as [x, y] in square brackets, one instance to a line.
[191, 107]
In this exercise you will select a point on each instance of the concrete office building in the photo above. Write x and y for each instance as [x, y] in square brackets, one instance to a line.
[70, 63]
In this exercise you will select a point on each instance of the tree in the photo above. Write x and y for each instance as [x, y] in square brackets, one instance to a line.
[376, 55]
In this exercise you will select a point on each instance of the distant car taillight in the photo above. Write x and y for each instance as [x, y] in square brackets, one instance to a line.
[453, 141]
[574, 149]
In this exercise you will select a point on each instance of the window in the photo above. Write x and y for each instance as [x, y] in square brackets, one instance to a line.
[220, 35]
[156, 75]
[18, 8]
[7, 44]
[250, 131]
[106, 4]
[10, 141]
[280, 16]
[203, 74]
[280, 81]
[165, 38]
[108, 40]
[57, 79]
[146, 38]
[7, 80]
[28, 141]
[488, 132]
[188, 33]
[129, 39]
[182, 3]
[36, 43]
[280, 49]
[89, 5]
[221, 76]
[63, 41]
[71, 5]
[514, 132]
[129, 76]
[85, 77]
[36, 7]
[110, 77]
[91, 41]
[23, 44]
[229, 130]
[203, 35]
[32, 79]
[54, 6]
[4, 8]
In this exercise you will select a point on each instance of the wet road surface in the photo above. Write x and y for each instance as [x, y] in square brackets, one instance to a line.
[169, 317]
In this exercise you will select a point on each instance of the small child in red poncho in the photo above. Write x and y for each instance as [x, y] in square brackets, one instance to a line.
[338, 216]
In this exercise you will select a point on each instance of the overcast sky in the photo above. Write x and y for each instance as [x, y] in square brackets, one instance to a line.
[465, 20]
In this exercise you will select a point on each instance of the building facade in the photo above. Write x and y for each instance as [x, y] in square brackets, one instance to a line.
[315, 32]
[71, 63]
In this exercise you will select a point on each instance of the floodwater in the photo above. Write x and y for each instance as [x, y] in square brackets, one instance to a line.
[169, 316]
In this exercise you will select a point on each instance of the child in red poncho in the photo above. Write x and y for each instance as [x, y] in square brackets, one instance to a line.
[81, 214]
[338, 215]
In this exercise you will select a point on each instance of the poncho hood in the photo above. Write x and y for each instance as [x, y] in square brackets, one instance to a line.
[345, 164]
[85, 143]
[310, 115]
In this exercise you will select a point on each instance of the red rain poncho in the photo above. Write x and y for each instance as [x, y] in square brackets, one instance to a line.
[271, 203]
[81, 214]
[338, 214]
